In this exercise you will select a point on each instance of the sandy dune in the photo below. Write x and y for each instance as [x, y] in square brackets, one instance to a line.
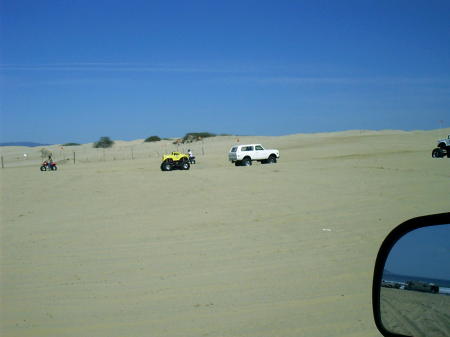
[113, 247]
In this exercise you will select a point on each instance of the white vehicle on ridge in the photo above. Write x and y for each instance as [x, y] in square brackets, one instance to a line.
[243, 155]
[442, 149]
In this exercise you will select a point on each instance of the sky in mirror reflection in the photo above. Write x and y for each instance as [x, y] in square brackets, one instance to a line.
[424, 252]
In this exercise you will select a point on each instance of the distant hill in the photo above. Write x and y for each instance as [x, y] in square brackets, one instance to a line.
[29, 144]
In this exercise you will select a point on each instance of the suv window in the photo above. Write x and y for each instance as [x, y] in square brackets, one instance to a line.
[233, 149]
[247, 148]
[258, 147]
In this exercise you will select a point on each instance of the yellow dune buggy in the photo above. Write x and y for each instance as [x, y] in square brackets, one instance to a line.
[175, 160]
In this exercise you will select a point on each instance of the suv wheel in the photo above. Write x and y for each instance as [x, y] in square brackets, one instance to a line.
[246, 162]
[437, 153]
[272, 159]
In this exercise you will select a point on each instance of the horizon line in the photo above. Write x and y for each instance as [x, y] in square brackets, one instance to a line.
[237, 135]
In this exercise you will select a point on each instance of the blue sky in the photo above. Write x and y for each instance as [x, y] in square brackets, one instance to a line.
[78, 70]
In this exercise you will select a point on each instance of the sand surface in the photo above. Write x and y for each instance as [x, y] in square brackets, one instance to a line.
[413, 313]
[114, 247]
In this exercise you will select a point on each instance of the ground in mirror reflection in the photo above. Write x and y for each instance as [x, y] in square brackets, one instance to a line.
[415, 313]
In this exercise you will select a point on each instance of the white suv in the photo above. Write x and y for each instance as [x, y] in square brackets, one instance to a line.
[243, 155]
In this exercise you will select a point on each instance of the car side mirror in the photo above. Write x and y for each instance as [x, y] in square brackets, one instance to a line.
[411, 282]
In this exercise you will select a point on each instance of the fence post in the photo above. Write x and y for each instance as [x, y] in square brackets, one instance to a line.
[2, 163]
[74, 157]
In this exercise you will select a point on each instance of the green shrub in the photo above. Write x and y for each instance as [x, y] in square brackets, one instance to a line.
[152, 139]
[104, 142]
[195, 136]
[45, 153]
[70, 144]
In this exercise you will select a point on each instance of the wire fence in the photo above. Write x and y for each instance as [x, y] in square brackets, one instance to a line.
[19, 157]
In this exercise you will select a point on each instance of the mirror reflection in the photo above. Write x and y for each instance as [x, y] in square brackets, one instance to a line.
[415, 288]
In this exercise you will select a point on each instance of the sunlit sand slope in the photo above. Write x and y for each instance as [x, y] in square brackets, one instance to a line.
[115, 247]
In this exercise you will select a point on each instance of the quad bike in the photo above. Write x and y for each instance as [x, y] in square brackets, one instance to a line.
[192, 159]
[48, 166]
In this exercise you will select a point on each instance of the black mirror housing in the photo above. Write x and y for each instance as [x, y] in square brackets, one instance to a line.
[388, 244]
